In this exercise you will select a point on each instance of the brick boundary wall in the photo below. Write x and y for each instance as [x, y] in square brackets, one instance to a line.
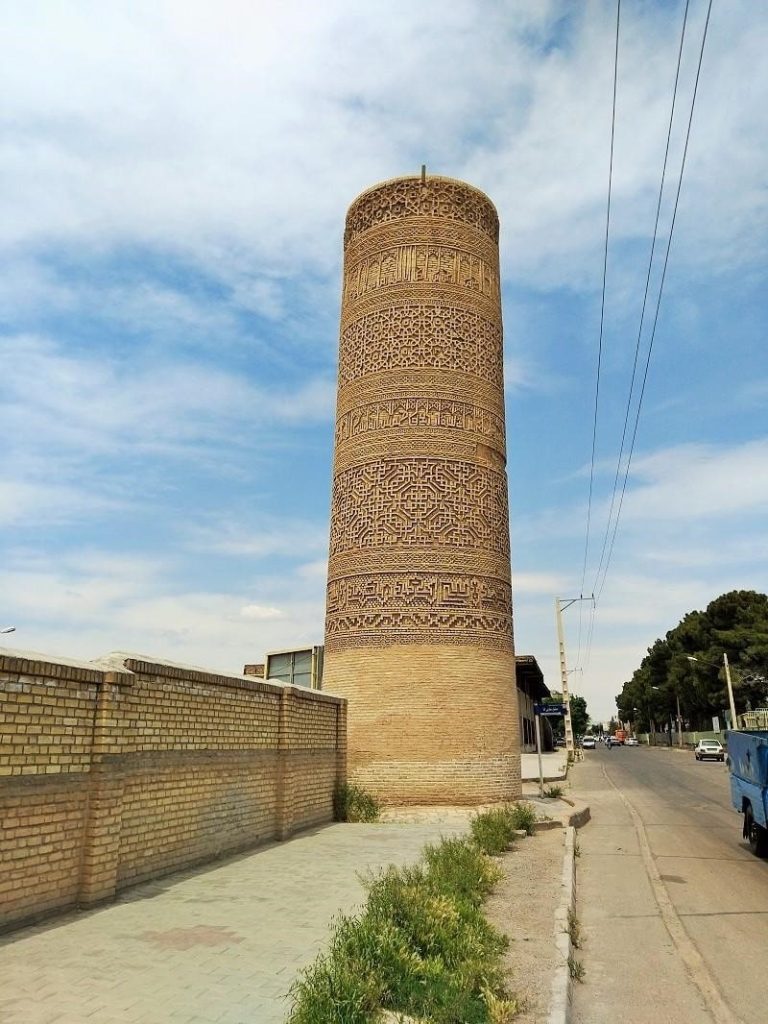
[116, 772]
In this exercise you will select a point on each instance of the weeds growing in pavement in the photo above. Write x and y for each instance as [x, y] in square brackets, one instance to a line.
[574, 928]
[576, 968]
[493, 830]
[553, 792]
[454, 866]
[524, 816]
[501, 1010]
[421, 946]
[353, 803]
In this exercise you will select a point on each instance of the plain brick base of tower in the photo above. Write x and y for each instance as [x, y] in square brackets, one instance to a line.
[430, 723]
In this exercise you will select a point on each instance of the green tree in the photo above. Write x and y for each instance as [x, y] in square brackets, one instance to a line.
[735, 623]
[579, 716]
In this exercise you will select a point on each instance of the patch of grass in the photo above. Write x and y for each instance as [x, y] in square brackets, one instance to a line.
[334, 989]
[576, 969]
[553, 792]
[493, 830]
[353, 803]
[524, 816]
[574, 928]
[421, 946]
[457, 867]
[445, 951]
[501, 1011]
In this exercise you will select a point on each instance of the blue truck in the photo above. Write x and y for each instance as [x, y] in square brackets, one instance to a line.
[748, 757]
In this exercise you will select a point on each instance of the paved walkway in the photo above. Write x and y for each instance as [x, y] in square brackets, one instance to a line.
[220, 945]
[554, 766]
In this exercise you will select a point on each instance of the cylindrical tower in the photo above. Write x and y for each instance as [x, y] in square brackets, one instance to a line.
[419, 612]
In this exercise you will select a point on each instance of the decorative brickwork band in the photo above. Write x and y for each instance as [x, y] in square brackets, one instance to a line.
[443, 200]
[421, 335]
[419, 546]
[420, 503]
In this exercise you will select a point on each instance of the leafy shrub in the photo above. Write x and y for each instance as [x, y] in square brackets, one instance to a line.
[493, 830]
[524, 816]
[459, 868]
[553, 792]
[353, 803]
[452, 952]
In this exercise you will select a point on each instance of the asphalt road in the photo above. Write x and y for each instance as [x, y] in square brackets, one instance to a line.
[673, 905]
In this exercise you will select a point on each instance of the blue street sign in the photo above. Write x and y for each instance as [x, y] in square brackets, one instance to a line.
[549, 710]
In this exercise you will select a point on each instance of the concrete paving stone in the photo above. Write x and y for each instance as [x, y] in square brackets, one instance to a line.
[221, 946]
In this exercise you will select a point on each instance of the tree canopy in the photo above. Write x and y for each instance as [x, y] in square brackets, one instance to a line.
[579, 716]
[735, 623]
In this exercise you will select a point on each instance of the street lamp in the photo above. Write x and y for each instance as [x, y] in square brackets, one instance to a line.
[734, 723]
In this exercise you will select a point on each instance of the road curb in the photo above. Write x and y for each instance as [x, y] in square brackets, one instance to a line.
[576, 819]
[560, 999]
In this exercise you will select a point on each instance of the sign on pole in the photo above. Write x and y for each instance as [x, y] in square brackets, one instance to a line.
[550, 710]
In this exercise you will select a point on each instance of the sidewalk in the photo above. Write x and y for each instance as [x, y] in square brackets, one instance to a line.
[555, 766]
[220, 945]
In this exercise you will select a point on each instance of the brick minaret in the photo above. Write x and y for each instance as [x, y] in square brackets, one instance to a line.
[419, 614]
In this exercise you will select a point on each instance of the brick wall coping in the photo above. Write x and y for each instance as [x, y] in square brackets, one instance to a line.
[142, 665]
[124, 666]
[31, 663]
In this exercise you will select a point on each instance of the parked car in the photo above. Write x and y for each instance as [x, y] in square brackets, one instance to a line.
[709, 750]
[588, 743]
[631, 742]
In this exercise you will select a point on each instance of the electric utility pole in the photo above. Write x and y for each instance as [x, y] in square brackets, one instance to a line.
[560, 606]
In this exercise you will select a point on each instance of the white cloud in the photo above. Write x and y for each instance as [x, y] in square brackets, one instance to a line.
[85, 607]
[259, 612]
[549, 583]
[237, 134]
[23, 502]
[98, 401]
[699, 481]
[175, 177]
[264, 537]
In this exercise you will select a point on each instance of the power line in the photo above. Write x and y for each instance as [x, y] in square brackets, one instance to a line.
[658, 300]
[645, 299]
[602, 311]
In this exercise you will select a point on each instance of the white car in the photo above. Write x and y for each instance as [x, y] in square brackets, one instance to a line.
[588, 743]
[631, 742]
[709, 750]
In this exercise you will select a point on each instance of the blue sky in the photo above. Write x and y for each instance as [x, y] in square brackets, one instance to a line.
[174, 181]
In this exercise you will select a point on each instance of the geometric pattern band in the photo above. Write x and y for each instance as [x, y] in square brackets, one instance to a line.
[420, 502]
[421, 335]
